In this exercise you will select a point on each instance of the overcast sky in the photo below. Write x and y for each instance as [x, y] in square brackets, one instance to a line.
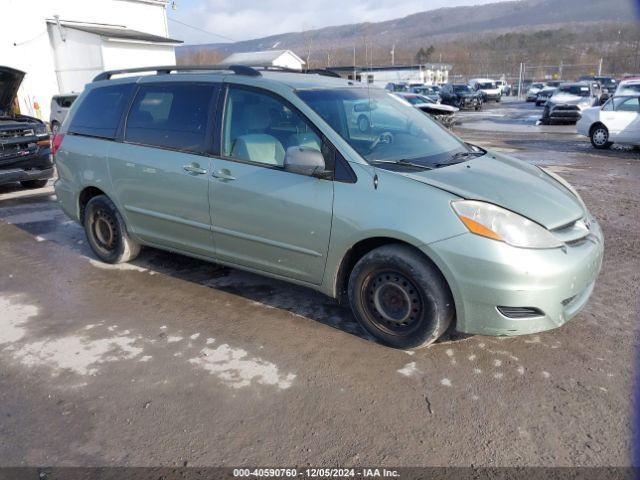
[246, 19]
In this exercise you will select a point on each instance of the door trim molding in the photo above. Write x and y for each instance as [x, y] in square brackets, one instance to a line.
[164, 216]
[273, 243]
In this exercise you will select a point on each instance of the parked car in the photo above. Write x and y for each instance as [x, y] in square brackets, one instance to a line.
[460, 95]
[487, 88]
[430, 91]
[445, 114]
[260, 170]
[545, 94]
[504, 87]
[532, 93]
[607, 85]
[617, 121]
[630, 86]
[397, 87]
[568, 102]
[60, 105]
[24, 140]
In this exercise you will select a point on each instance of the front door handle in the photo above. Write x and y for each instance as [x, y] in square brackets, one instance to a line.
[194, 168]
[223, 174]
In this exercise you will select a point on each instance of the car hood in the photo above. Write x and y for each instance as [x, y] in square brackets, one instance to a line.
[10, 80]
[437, 107]
[569, 99]
[510, 183]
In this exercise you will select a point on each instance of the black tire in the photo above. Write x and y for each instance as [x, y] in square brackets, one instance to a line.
[400, 297]
[363, 124]
[30, 184]
[498, 100]
[107, 233]
[599, 136]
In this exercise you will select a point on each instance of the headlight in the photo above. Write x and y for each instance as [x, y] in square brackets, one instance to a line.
[565, 184]
[497, 223]
[40, 129]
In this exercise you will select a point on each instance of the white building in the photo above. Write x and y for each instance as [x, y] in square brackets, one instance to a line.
[267, 58]
[63, 44]
[429, 74]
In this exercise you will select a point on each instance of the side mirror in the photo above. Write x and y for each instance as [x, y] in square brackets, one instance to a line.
[305, 161]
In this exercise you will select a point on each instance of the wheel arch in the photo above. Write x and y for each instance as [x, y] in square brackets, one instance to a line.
[359, 250]
[85, 195]
[596, 124]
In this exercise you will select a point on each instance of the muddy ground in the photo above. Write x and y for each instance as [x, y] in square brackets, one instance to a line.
[172, 360]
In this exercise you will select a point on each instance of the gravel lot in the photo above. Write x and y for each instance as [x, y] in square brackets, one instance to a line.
[172, 360]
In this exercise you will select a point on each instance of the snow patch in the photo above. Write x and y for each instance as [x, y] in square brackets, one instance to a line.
[237, 370]
[77, 353]
[15, 314]
[408, 370]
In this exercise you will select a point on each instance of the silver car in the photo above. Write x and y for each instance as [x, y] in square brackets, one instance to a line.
[60, 105]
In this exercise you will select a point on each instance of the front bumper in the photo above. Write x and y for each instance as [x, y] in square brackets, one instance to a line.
[37, 166]
[485, 274]
[564, 113]
[467, 102]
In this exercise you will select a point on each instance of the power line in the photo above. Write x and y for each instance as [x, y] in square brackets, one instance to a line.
[202, 30]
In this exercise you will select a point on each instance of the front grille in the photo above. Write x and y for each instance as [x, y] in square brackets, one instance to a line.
[16, 133]
[521, 312]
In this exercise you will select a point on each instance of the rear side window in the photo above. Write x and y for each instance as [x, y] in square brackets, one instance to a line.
[101, 110]
[171, 116]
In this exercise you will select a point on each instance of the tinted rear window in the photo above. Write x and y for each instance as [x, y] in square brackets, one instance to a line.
[171, 116]
[101, 110]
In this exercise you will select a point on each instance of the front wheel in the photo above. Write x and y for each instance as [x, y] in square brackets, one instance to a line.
[107, 233]
[600, 137]
[400, 298]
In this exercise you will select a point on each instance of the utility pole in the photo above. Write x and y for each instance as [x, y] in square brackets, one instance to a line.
[600, 68]
[520, 81]
[393, 54]
[560, 70]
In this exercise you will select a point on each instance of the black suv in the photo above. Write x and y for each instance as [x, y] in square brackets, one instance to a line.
[461, 96]
[25, 147]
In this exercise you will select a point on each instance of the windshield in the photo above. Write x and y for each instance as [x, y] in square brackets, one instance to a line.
[632, 88]
[487, 86]
[580, 90]
[414, 99]
[382, 128]
[461, 88]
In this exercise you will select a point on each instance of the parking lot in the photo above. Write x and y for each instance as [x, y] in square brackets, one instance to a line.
[174, 361]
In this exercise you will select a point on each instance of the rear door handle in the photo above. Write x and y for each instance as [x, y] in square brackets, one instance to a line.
[194, 168]
[223, 174]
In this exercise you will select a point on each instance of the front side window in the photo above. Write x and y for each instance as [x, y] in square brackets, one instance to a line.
[382, 128]
[101, 110]
[171, 116]
[622, 104]
[259, 127]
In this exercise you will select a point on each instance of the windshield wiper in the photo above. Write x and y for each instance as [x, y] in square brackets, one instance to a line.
[402, 162]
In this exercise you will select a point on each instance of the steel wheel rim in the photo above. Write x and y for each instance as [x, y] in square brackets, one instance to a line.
[104, 231]
[600, 136]
[392, 302]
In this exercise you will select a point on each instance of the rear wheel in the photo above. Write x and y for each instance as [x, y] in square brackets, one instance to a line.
[400, 298]
[34, 183]
[107, 233]
[600, 137]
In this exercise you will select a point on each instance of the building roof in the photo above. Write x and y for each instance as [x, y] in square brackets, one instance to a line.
[115, 31]
[258, 59]
[424, 66]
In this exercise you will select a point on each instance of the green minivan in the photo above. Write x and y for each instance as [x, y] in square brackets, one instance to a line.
[271, 171]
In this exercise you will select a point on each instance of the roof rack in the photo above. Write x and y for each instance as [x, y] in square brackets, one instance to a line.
[311, 71]
[167, 69]
[237, 69]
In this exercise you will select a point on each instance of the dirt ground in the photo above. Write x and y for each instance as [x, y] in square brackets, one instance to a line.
[172, 360]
